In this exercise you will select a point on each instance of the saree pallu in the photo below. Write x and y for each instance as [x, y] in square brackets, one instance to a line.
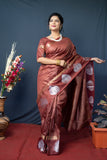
[64, 94]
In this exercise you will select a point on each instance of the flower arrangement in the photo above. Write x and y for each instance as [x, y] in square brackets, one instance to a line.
[12, 71]
[101, 114]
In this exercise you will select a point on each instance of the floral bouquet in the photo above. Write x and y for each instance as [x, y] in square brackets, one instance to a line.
[12, 71]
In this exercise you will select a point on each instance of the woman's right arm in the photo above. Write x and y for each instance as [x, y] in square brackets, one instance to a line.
[45, 60]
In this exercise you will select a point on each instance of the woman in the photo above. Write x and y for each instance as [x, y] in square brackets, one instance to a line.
[65, 86]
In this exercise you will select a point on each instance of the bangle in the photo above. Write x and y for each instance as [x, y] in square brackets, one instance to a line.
[58, 62]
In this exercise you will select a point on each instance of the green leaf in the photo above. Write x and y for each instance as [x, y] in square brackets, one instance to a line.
[102, 102]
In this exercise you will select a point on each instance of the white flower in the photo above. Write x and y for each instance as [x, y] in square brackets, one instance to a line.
[17, 59]
[9, 88]
[14, 63]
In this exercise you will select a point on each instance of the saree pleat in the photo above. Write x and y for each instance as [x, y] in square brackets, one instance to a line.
[79, 114]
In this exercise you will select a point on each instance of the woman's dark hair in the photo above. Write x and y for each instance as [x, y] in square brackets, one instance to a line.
[59, 16]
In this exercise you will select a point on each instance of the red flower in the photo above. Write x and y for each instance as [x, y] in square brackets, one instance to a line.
[11, 76]
[17, 70]
[8, 83]
[14, 73]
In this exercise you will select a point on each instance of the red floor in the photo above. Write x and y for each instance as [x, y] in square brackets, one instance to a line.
[21, 142]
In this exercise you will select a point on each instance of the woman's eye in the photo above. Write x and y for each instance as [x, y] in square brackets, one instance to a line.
[51, 20]
[56, 20]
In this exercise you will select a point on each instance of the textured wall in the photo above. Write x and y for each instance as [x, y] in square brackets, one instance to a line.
[25, 21]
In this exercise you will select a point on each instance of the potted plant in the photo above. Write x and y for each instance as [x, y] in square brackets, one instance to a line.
[9, 79]
[99, 126]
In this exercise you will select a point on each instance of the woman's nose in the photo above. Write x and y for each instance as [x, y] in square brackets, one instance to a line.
[53, 23]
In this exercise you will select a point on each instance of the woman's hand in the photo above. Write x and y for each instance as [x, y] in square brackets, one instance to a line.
[61, 63]
[97, 60]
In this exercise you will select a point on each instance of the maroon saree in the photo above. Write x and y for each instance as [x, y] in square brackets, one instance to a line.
[64, 94]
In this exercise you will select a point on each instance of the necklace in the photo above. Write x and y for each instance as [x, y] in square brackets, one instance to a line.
[57, 39]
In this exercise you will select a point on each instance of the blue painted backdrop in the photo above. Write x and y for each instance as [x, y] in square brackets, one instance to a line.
[25, 21]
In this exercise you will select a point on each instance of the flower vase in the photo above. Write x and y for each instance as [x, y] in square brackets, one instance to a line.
[4, 120]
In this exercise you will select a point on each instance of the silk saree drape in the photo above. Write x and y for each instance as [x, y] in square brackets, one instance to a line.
[64, 94]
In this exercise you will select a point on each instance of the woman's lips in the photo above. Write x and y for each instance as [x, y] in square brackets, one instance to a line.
[53, 26]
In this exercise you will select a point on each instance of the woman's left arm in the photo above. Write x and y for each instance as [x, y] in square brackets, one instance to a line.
[97, 60]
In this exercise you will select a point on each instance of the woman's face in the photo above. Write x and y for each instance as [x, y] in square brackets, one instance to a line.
[54, 23]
